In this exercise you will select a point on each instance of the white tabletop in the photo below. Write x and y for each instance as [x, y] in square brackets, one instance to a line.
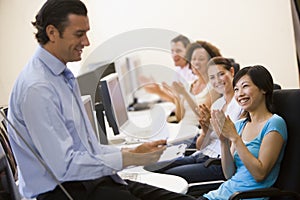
[165, 181]
[173, 132]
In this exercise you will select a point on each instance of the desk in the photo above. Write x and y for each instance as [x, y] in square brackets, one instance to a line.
[165, 181]
[173, 132]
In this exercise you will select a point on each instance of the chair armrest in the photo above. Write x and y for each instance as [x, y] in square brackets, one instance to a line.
[206, 183]
[200, 188]
[212, 161]
[264, 192]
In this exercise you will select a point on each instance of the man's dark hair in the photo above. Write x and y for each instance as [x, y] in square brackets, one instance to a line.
[56, 12]
[181, 38]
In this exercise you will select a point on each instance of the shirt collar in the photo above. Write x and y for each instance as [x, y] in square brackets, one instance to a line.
[51, 62]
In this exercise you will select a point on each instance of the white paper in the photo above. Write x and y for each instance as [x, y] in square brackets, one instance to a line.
[172, 152]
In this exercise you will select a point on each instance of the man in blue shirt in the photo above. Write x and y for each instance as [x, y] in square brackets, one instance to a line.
[46, 108]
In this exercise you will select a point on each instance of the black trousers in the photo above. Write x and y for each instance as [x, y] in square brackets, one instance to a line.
[202, 198]
[106, 188]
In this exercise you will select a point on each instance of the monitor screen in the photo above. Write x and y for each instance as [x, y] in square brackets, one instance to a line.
[88, 81]
[88, 105]
[113, 102]
[127, 69]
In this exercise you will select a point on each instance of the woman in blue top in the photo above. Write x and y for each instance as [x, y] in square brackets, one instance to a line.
[252, 148]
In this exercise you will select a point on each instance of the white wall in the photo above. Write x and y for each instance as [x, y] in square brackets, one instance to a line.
[251, 31]
[17, 41]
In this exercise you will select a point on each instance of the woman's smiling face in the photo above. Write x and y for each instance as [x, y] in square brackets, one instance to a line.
[247, 94]
[220, 78]
[199, 61]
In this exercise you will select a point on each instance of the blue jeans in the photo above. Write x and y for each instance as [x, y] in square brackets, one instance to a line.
[191, 168]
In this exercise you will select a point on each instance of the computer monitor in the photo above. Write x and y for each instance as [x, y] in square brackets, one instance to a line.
[89, 79]
[88, 105]
[126, 67]
[113, 102]
[129, 71]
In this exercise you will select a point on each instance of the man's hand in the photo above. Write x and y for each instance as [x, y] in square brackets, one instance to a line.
[144, 154]
[148, 147]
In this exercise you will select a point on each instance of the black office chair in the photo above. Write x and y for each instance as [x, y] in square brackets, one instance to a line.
[287, 186]
[236, 66]
[10, 190]
[277, 86]
[8, 170]
[4, 141]
[287, 105]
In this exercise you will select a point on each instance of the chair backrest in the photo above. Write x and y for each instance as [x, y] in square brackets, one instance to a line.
[8, 167]
[287, 105]
[6, 145]
[236, 66]
[10, 190]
